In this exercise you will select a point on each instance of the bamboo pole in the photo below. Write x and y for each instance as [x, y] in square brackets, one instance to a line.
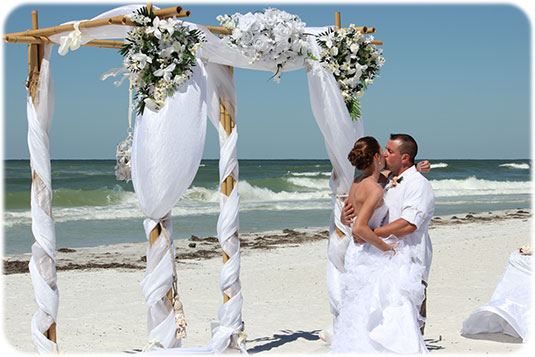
[338, 19]
[48, 31]
[116, 44]
[220, 30]
[230, 182]
[153, 236]
[35, 57]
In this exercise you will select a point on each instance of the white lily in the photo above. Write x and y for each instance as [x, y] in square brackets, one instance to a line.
[167, 25]
[142, 59]
[165, 72]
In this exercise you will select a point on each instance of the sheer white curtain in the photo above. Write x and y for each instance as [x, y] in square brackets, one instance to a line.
[340, 133]
[166, 153]
[43, 261]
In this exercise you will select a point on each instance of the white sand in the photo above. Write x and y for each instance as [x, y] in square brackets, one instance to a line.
[285, 296]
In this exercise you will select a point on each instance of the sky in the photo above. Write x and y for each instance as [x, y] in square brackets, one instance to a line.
[457, 78]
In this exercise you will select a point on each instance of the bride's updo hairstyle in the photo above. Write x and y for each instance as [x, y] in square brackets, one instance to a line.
[361, 156]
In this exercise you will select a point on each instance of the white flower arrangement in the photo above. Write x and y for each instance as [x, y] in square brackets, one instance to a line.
[353, 59]
[161, 55]
[272, 36]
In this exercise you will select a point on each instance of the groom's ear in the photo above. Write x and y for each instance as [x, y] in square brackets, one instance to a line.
[405, 159]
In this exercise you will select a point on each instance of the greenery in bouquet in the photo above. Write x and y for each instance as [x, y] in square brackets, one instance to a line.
[354, 61]
[161, 55]
[272, 37]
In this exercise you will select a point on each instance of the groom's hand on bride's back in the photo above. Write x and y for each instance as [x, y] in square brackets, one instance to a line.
[348, 214]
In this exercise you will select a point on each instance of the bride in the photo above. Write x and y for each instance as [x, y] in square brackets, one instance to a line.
[381, 288]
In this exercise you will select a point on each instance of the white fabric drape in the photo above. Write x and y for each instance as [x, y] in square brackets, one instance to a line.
[509, 309]
[340, 133]
[43, 261]
[221, 89]
[166, 154]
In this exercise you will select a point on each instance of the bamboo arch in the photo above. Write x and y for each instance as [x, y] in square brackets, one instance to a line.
[37, 39]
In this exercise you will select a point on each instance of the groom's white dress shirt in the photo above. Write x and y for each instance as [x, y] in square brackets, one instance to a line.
[413, 200]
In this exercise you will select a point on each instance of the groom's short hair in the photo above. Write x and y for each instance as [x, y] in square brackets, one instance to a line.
[408, 145]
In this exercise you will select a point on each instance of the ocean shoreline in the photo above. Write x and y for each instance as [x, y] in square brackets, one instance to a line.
[133, 255]
[285, 299]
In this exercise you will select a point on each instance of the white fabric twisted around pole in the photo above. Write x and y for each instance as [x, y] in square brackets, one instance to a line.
[222, 92]
[166, 154]
[43, 261]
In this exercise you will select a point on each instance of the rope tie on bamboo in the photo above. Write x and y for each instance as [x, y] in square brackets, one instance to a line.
[180, 317]
[73, 40]
[242, 336]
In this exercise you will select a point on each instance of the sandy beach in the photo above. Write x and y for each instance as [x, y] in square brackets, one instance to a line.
[283, 276]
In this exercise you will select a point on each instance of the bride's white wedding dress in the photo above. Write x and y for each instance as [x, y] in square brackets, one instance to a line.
[381, 297]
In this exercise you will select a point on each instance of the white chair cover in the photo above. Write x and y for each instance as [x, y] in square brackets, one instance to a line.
[509, 309]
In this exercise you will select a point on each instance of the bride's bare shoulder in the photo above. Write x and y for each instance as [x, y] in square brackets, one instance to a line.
[369, 186]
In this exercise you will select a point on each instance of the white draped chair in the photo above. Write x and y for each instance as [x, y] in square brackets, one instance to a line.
[509, 309]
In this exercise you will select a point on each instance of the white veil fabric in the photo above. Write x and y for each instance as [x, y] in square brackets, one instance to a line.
[166, 154]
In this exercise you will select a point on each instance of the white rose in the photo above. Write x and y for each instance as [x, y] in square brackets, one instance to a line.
[246, 21]
[261, 44]
[334, 51]
[354, 47]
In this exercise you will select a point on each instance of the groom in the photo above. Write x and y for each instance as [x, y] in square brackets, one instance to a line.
[410, 201]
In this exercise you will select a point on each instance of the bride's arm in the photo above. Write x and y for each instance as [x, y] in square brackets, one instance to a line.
[361, 229]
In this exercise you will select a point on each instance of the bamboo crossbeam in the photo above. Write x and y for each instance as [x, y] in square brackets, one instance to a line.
[117, 20]
[220, 30]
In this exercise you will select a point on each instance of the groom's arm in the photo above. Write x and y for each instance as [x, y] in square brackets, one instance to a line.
[399, 228]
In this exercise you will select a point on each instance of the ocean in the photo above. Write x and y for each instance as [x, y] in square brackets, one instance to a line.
[90, 207]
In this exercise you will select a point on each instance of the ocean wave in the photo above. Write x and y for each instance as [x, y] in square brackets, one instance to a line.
[474, 186]
[440, 165]
[250, 193]
[513, 165]
[310, 174]
[309, 183]
[66, 197]
[182, 209]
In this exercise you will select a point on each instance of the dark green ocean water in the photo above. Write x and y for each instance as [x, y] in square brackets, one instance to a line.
[90, 207]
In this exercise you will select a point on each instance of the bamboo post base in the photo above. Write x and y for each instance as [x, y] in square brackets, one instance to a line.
[154, 234]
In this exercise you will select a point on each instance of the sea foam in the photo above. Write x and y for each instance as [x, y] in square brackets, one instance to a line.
[512, 165]
[474, 186]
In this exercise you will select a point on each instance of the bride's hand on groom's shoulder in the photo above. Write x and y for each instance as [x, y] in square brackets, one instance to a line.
[423, 166]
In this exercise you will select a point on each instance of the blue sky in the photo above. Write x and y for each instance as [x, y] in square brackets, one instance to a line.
[457, 77]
